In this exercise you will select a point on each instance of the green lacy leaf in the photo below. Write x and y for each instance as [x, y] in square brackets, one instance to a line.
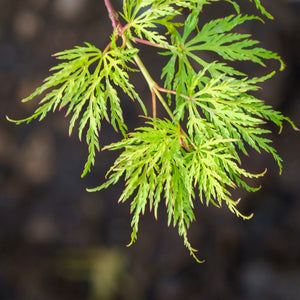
[214, 36]
[85, 84]
[161, 163]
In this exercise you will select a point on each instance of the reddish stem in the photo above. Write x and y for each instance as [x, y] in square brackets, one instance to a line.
[113, 15]
[138, 40]
[161, 89]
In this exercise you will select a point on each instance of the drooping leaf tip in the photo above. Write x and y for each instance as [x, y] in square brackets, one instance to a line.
[9, 119]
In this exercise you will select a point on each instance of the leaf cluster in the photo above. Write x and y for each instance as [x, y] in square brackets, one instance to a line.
[156, 165]
[216, 116]
[85, 82]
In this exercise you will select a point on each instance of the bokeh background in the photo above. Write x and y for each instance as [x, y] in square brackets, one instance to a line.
[59, 242]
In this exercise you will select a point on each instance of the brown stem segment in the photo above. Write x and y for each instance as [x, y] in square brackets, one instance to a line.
[153, 103]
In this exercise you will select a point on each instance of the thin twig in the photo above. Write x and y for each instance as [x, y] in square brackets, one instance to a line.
[113, 15]
[145, 42]
[161, 89]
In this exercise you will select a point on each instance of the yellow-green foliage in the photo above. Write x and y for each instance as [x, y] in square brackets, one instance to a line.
[215, 117]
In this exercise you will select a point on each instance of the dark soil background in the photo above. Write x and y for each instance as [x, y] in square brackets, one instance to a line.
[59, 242]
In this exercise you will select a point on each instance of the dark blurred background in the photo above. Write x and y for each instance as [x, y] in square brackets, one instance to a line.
[59, 242]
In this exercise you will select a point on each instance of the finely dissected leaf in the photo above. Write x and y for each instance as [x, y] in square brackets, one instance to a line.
[156, 165]
[145, 17]
[225, 102]
[85, 84]
[214, 36]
